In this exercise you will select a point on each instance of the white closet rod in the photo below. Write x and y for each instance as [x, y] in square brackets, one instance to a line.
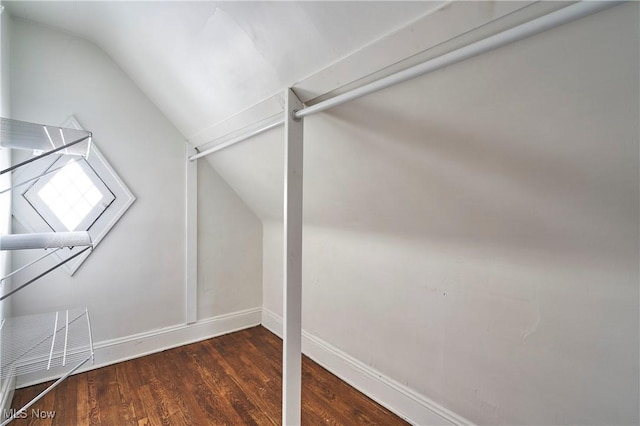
[279, 121]
[535, 26]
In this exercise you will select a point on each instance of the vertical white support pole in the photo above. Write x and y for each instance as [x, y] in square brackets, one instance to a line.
[292, 289]
[191, 262]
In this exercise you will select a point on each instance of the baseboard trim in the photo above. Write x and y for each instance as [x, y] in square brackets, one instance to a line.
[137, 345]
[406, 403]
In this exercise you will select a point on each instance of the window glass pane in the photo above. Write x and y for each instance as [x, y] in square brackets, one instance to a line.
[70, 194]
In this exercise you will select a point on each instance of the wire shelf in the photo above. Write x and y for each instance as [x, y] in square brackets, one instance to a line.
[58, 341]
[16, 134]
[43, 140]
[45, 341]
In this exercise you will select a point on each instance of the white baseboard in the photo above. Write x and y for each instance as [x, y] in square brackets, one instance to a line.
[117, 350]
[406, 403]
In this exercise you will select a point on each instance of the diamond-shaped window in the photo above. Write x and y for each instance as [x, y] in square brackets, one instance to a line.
[71, 197]
[69, 193]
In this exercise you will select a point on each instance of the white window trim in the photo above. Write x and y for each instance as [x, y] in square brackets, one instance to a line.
[31, 220]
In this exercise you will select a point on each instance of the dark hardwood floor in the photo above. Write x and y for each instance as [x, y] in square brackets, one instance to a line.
[229, 380]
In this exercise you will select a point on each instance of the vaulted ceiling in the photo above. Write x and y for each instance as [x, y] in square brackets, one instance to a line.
[407, 161]
[202, 62]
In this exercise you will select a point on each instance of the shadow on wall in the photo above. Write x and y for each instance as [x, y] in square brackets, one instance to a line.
[472, 182]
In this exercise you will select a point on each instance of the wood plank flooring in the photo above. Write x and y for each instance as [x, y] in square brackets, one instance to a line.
[229, 380]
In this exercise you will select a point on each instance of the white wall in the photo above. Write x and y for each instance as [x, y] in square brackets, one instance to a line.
[135, 268]
[6, 387]
[229, 248]
[473, 234]
[134, 282]
[5, 154]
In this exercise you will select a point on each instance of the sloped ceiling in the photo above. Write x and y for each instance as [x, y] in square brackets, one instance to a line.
[202, 62]
[493, 135]
[495, 148]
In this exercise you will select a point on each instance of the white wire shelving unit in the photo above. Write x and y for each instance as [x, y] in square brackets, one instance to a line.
[42, 342]
[59, 341]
